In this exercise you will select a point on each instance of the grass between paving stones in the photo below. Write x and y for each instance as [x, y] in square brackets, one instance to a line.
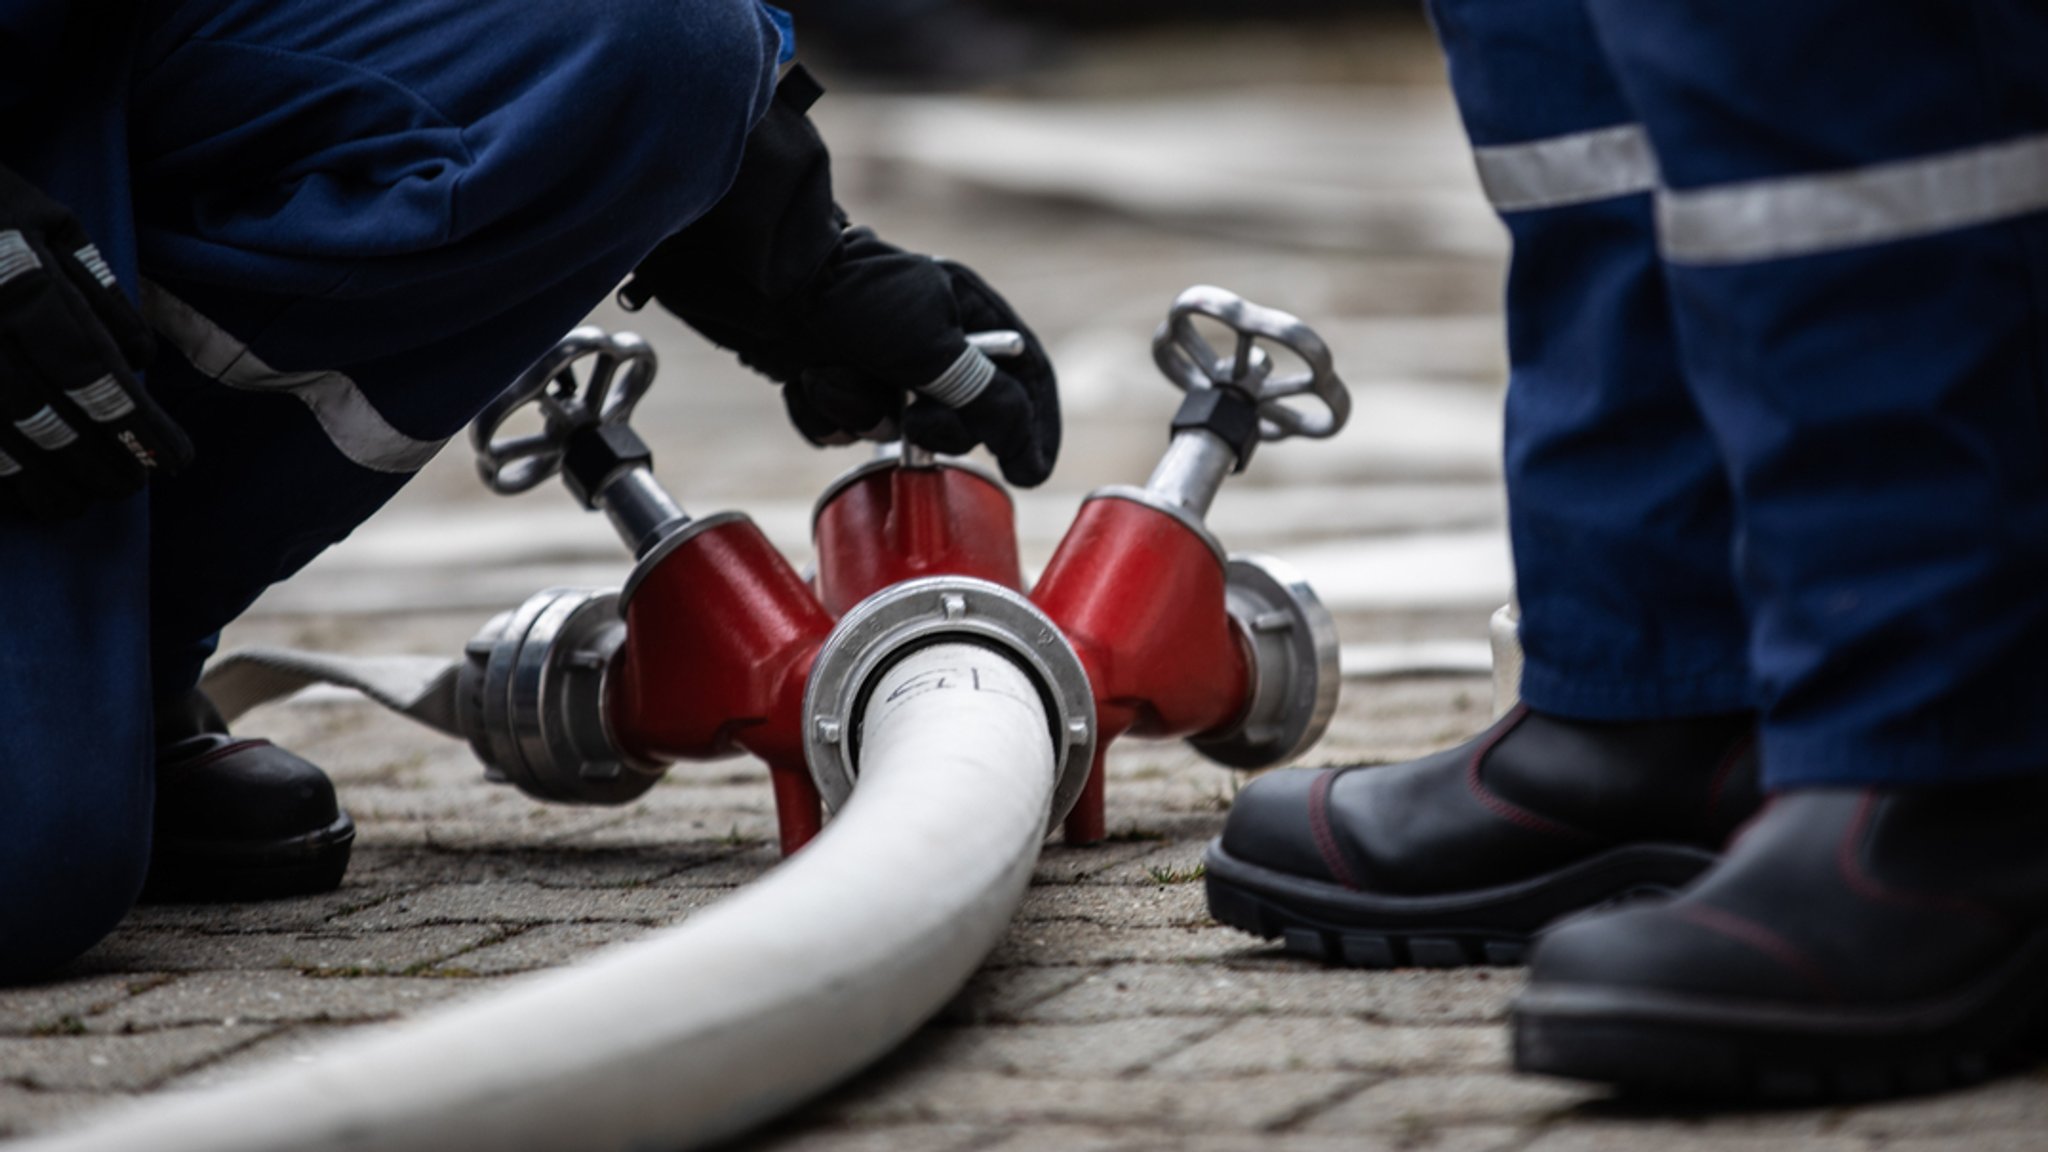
[65, 1025]
[1164, 876]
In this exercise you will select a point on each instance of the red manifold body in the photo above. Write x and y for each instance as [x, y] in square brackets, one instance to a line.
[721, 633]
[885, 524]
[720, 637]
[1139, 594]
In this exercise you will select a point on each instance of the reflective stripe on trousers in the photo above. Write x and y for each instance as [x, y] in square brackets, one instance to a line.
[353, 424]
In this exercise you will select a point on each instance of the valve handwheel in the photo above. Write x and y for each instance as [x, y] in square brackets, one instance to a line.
[620, 368]
[1193, 364]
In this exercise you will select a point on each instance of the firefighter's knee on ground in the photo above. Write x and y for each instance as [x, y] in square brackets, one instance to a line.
[72, 882]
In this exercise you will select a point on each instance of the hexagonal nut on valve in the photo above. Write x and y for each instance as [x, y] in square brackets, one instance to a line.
[1295, 667]
[530, 698]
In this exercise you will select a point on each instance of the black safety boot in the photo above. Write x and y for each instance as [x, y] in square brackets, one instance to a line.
[1853, 944]
[238, 819]
[1460, 857]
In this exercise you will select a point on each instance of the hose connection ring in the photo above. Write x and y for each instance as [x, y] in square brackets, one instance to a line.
[1296, 670]
[914, 614]
[530, 698]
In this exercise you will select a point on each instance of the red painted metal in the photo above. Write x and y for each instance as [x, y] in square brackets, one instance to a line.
[721, 635]
[720, 638]
[897, 524]
[1140, 597]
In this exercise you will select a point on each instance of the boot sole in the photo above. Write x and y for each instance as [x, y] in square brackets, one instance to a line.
[1712, 1050]
[1488, 926]
[195, 873]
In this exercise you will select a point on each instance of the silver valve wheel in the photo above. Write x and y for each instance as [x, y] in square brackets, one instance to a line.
[1192, 363]
[617, 370]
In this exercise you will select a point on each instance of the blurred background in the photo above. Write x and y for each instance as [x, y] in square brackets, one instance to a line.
[1091, 160]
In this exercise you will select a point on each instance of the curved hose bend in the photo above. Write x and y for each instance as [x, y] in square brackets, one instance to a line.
[716, 1025]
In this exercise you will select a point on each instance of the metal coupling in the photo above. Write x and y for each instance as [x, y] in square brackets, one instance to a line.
[915, 614]
[530, 699]
[1292, 643]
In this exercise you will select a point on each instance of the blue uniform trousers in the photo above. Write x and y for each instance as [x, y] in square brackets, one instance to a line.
[1778, 320]
[352, 223]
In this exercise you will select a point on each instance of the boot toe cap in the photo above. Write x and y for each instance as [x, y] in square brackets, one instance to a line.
[1679, 948]
[1276, 823]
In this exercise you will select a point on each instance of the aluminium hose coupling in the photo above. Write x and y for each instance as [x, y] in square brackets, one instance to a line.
[904, 618]
[530, 699]
[1294, 652]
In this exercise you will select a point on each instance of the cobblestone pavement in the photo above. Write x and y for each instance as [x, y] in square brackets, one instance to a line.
[1317, 170]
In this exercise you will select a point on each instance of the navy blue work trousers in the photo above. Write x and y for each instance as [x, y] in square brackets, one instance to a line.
[1777, 428]
[352, 223]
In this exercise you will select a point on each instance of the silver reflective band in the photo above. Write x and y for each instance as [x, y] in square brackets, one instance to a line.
[1807, 215]
[16, 257]
[95, 264]
[958, 385]
[48, 430]
[357, 429]
[103, 400]
[8, 465]
[1581, 168]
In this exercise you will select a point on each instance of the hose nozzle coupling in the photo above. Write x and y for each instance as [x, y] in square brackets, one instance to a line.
[530, 698]
[907, 617]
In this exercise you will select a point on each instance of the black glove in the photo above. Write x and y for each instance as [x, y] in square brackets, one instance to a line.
[75, 423]
[846, 322]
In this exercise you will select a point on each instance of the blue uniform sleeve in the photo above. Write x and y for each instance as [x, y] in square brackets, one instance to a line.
[31, 32]
[786, 25]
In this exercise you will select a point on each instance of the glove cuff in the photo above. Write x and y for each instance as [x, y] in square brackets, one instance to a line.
[959, 385]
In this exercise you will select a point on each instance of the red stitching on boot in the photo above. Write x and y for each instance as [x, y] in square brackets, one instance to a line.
[1319, 826]
[1747, 931]
[1722, 774]
[1849, 861]
[1506, 809]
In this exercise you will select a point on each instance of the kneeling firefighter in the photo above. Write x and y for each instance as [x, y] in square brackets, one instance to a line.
[259, 261]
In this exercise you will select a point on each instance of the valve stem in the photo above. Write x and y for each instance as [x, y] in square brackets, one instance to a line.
[640, 508]
[1193, 470]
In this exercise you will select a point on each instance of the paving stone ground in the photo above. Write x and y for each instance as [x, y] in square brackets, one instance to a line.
[1114, 1015]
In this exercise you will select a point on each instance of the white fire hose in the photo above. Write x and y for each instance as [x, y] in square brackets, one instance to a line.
[718, 1024]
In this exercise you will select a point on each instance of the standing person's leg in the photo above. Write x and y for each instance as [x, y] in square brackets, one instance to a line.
[1628, 765]
[1857, 230]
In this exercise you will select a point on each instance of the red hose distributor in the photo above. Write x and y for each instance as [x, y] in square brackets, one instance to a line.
[718, 631]
[720, 639]
[1177, 638]
[720, 636]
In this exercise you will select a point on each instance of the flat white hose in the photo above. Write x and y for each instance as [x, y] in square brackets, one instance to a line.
[718, 1024]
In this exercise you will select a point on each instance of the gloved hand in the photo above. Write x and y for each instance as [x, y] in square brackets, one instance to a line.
[847, 323]
[75, 423]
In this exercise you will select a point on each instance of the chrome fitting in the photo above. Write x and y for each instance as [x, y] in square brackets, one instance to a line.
[905, 617]
[530, 699]
[1293, 645]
